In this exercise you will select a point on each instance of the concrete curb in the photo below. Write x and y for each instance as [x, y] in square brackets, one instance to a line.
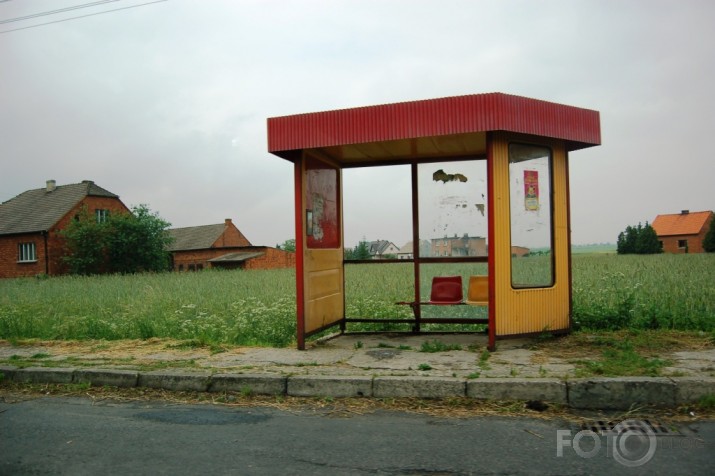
[253, 384]
[620, 393]
[420, 387]
[329, 386]
[545, 389]
[175, 381]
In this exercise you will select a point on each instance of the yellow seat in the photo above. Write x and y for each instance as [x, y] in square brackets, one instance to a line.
[478, 292]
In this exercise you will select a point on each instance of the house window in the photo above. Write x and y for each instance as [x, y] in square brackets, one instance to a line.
[682, 243]
[102, 215]
[26, 252]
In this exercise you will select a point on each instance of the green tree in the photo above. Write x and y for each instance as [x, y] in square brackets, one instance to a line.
[85, 243]
[138, 242]
[626, 243]
[709, 240]
[348, 254]
[288, 245]
[638, 240]
[361, 251]
[125, 243]
[647, 241]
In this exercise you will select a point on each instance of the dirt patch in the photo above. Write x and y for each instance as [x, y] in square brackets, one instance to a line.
[581, 345]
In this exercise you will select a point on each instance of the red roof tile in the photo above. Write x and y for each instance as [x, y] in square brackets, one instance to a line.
[690, 223]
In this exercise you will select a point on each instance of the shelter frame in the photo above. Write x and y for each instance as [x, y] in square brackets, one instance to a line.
[475, 127]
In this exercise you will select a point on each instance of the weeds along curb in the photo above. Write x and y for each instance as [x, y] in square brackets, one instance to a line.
[621, 393]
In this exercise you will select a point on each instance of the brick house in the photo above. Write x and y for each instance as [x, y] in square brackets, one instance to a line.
[222, 246]
[459, 246]
[519, 251]
[683, 232]
[30, 225]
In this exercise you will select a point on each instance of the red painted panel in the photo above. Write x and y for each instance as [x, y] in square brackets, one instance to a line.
[435, 117]
[321, 204]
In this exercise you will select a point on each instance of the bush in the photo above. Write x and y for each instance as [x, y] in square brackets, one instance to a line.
[640, 240]
[125, 243]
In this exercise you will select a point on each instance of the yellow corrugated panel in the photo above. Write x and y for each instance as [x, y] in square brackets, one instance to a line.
[523, 311]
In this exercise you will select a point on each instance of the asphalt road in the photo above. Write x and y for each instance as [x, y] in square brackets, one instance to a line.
[76, 436]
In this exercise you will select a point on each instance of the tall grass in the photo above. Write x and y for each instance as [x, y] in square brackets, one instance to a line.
[644, 291]
[234, 307]
[258, 307]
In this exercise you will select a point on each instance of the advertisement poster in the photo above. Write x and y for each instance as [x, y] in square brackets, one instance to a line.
[322, 219]
[531, 190]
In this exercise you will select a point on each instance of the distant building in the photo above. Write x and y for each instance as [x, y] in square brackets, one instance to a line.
[31, 223]
[459, 246]
[682, 232]
[380, 249]
[407, 251]
[519, 251]
[222, 246]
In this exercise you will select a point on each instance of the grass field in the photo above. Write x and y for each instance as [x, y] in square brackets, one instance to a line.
[258, 307]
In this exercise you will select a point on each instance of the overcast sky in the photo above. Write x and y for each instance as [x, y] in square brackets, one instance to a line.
[166, 104]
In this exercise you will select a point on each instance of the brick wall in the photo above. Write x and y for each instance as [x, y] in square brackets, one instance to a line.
[231, 236]
[185, 260]
[9, 255]
[271, 258]
[694, 242]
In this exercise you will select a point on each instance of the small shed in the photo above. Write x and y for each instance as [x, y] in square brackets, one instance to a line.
[506, 155]
[222, 245]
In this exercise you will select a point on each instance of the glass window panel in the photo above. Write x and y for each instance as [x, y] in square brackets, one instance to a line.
[531, 216]
[453, 208]
[26, 252]
[378, 208]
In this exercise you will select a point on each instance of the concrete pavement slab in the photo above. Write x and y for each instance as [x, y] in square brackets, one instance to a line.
[382, 365]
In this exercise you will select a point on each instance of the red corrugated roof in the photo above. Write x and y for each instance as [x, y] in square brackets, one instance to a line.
[432, 118]
[690, 223]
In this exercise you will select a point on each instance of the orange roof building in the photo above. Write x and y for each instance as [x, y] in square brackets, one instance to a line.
[683, 232]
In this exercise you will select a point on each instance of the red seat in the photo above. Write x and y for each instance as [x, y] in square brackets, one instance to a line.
[446, 290]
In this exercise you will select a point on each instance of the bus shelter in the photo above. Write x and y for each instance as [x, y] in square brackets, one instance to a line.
[500, 163]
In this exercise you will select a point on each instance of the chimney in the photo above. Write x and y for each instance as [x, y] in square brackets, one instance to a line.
[51, 185]
[684, 212]
[228, 222]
